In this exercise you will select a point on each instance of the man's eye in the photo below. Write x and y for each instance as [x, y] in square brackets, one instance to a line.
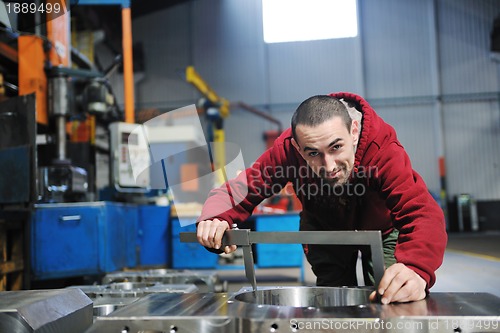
[313, 153]
[336, 147]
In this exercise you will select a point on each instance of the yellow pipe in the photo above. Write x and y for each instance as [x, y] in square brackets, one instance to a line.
[128, 69]
[220, 156]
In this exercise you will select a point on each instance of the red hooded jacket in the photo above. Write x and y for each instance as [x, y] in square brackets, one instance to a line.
[394, 195]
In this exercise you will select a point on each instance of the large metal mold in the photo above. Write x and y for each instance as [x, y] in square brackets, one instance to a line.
[45, 311]
[224, 313]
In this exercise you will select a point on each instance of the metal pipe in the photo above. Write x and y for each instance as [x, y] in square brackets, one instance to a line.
[257, 112]
[438, 114]
[128, 68]
[61, 137]
[59, 109]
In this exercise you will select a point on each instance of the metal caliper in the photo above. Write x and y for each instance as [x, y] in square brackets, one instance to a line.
[245, 238]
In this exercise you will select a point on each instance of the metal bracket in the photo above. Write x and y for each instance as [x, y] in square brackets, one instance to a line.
[245, 238]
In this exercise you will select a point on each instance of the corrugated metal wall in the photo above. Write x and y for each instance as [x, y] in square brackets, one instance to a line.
[470, 88]
[473, 148]
[416, 61]
[397, 48]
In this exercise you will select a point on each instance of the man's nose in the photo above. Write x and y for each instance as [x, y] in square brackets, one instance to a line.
[329, 163]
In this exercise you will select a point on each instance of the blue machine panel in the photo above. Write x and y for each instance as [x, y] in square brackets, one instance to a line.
[190, 255]
[119, 235]
[65, 241]
[154, 235]
[278, 255]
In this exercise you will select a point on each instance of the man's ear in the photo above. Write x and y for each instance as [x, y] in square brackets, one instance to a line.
[355, 131]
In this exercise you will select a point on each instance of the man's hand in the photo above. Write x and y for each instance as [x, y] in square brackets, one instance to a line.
[210, 232]
[400, 284]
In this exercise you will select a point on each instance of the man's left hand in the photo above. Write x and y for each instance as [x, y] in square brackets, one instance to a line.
[400, 284]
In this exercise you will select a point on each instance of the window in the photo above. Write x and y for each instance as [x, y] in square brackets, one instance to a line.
[302, 20]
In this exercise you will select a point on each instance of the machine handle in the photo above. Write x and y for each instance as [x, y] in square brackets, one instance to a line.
[70, 218]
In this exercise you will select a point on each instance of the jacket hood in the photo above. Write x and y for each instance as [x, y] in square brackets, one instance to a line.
[369, 122]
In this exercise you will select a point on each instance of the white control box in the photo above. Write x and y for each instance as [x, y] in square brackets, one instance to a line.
[130, 157]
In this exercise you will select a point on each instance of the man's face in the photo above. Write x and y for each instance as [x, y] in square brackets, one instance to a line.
[328, 149]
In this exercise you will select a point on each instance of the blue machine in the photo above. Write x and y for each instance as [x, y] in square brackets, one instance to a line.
[70, 239]
[91, 238]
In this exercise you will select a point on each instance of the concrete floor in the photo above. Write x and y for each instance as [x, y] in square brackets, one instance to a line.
[471, 264]
[464, 272]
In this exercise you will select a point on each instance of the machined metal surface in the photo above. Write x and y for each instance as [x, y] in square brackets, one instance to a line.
[133, 289]
[103, 306]
[107, 308]
[45, 311]
[167, 276]
[440, 312]
[110, 297]
[245, 237]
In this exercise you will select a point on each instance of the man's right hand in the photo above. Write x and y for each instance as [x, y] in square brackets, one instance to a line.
[210, 232]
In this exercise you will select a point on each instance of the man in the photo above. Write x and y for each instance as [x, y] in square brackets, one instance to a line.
[360, 179]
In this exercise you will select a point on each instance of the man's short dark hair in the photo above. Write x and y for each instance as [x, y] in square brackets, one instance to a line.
[318, 109]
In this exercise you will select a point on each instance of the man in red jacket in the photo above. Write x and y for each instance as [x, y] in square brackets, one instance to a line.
[350, 172]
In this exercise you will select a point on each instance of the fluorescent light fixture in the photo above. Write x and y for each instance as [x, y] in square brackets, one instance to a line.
[302, 20]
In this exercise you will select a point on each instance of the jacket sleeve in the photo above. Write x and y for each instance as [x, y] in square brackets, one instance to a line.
[235, 200]
[417, 216]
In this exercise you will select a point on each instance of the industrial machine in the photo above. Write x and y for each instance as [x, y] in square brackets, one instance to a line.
[53, 102]
[69, 104]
